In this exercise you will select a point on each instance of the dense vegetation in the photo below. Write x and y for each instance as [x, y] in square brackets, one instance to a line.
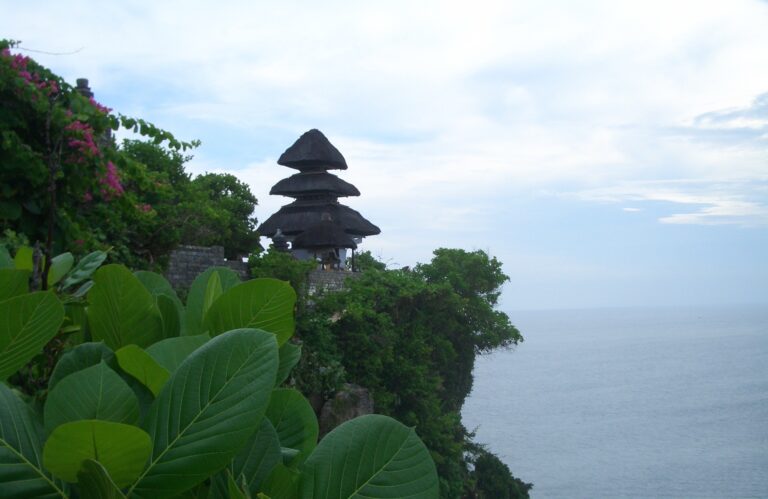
[411, 338]
[155, 399]
[66, 185]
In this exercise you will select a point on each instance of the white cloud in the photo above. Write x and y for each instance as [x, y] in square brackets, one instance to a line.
[446, 110]
[709, 203]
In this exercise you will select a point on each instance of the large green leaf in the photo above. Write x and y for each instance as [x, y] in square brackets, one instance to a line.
[60, 265]
[96, 392]
[122, 311]
[166, 300]
[27, 323]
[6, 262]
[265, 304]
[212, 292]
[170, 353]
[13, 282]
[196, 299]
[84, 269]
[122, 449]
[260, 454]
[289, 357]
[94, 482]
[155, 283]
[170, 314]
[371, 456]
[294, 421]
[282, 483]
[80, 357]
[208, 409]
[24, 258]
[236, 488]
[22, 475]
[76, 312]
[139, 364]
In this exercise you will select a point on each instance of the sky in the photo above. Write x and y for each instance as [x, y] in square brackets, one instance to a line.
[609, 153]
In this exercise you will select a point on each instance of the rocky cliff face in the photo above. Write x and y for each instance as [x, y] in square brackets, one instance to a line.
[348, 403]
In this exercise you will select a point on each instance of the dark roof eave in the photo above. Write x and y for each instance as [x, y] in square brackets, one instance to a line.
[312, 151]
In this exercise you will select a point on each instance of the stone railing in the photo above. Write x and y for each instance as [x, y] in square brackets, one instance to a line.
[187, 262]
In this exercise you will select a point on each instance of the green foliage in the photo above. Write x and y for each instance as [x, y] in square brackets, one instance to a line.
[67, 185]
[477, 279]
[205, 289]
[21, 440]
[29, 322]
[344, 466]
[96, 392]
[213, 424]
[493, 480]
[294, 421]
[259, 303]
[282, 265]
[228, 220]
[366, 261]
[64, 183]
[121, 310]
[121, 448]
[208, 210]
[411, 337]
[135, 361]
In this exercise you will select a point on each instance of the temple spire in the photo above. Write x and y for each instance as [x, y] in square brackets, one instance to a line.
[316, 219]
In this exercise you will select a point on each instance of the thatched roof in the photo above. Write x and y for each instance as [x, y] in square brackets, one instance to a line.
[313, 151]
[313, 183]
[324, 234]
[298, 216]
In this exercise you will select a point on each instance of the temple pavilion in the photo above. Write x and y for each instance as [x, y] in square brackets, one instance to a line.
[315, 223]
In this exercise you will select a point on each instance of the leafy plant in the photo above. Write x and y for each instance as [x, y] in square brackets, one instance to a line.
[411, 338]
[142, 415]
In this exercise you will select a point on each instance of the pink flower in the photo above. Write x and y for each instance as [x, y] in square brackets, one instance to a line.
[88, 197]
[103, 109]
[79, 242]
[110, 182]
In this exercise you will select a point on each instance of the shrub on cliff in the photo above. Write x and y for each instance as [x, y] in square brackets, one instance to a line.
[411, 337]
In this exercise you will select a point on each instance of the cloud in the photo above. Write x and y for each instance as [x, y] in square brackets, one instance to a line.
[710, 203]
[754, 116]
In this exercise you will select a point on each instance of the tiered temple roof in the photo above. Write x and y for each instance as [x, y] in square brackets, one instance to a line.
[316, 192]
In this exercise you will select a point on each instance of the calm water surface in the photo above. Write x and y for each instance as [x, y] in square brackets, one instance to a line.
[612, 403]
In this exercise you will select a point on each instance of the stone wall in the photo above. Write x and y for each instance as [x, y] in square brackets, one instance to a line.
[328, 280]
[187, 262]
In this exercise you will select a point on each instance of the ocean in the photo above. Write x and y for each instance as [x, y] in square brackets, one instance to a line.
[630, 403]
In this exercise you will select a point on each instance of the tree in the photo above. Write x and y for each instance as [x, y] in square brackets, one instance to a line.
[493, 480]
[61, 174]
[226, 215]
[477, 279]
[209, 210]
[67, 186]
[411, 337]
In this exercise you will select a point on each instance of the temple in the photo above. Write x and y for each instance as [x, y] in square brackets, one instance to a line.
[316, 224]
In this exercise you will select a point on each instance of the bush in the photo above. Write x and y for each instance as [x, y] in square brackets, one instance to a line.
[162, 399]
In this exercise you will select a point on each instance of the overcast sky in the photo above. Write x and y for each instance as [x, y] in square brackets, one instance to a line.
[610, 153]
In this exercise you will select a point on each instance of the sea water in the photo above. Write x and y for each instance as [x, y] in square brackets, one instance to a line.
[640, 403]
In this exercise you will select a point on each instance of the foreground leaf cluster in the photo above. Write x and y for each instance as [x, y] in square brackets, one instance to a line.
[156, 399]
